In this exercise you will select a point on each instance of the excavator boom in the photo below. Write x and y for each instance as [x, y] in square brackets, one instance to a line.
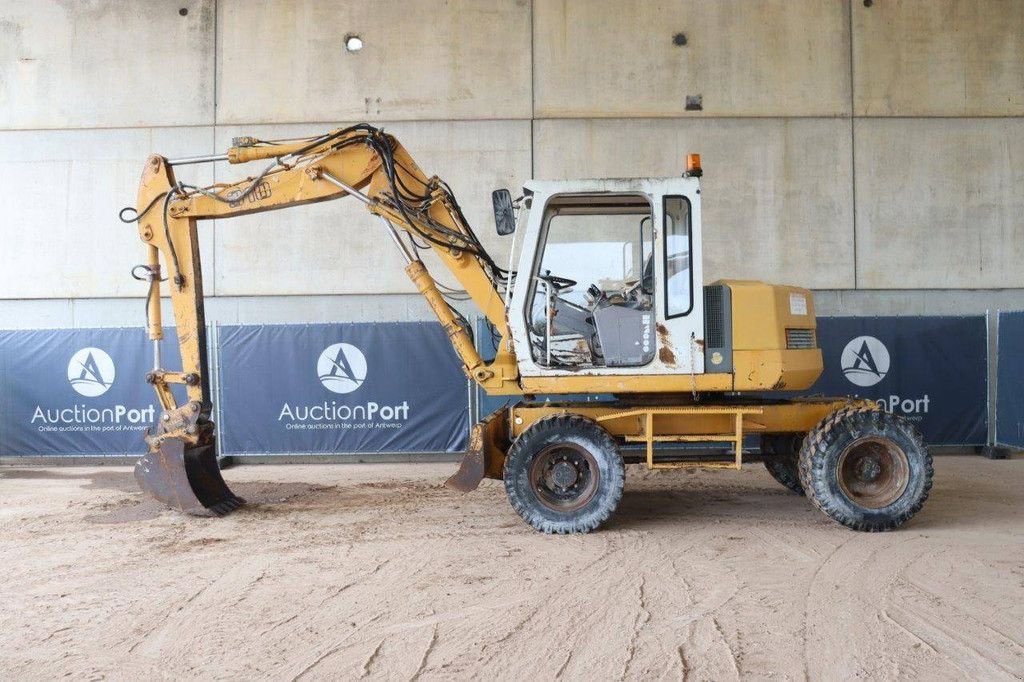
[417, 211]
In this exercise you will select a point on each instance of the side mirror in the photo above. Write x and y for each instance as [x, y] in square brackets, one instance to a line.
[504, 214]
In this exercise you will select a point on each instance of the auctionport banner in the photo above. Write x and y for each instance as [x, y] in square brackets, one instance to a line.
[398, 387]
[1010, 384]
[931, 370]
[341, 388]
[77, 391]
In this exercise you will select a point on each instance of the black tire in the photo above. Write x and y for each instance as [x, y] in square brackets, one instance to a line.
[781, 455]
[564, 474]
[866, 469]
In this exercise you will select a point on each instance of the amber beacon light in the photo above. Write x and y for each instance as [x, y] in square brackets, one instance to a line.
[693, 165]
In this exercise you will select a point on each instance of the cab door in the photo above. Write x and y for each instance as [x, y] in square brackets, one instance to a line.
[680, 276]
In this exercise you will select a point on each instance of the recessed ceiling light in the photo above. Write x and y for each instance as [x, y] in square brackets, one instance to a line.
[353, 43]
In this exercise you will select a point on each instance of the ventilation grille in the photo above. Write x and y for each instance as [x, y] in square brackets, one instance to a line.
[714, 316]
[797, 339]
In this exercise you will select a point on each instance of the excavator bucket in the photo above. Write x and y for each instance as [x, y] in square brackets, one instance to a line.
[471, 471]
[186, 478]
[485, 453]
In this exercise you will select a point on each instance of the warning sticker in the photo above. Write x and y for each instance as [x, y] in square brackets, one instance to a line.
[797, 304]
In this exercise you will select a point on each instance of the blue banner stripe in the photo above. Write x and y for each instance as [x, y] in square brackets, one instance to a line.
[78, 391]
[1010, 381]
[931, 370]
[399, 387]
[341, 388]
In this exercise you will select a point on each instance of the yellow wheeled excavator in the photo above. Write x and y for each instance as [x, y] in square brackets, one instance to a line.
[608, 297]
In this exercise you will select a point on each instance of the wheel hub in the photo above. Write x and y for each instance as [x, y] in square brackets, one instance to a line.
[564, 474]
[868, 469]
[873, 472]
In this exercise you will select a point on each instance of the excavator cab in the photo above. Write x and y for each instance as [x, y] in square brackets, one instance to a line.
[611, 270]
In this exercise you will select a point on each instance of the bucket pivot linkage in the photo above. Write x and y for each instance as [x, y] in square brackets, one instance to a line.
[181, 467]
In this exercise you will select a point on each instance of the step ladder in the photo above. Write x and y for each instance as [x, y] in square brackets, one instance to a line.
[649, 432]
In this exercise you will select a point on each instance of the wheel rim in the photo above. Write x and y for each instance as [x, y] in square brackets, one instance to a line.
[564, 477]
[873, 472]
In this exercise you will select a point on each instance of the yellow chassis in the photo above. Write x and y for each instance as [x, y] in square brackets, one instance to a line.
[648, 423]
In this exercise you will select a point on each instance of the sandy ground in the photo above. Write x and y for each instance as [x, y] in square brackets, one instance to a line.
[348, 571]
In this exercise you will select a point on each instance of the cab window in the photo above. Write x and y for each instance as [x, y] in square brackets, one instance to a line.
[678, 270]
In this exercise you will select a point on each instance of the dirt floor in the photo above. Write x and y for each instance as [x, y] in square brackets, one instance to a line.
[347, 571]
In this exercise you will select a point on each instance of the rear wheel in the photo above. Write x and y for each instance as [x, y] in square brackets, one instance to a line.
[867, 469]
[781, 455]
[564, 474]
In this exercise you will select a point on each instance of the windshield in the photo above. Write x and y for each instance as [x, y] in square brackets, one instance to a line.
[593, 286]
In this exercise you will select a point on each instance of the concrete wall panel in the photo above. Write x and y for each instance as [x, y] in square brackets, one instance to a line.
[940, 203]
[121, 312]
[54, 313]
[916, 301]
[60, 193]
[105, 63]
[616, 58]
[939, 58]
[125, 312]
[776, 193]
[88, 88]
[337, 247]
[285, 61]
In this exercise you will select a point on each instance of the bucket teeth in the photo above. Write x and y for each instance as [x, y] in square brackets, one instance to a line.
[227, 506]
[186, 478]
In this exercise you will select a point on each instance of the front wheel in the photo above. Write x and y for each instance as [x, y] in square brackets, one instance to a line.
[866, 469]
[564, 474]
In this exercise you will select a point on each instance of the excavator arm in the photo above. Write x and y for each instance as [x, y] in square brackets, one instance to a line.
[416, 211]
